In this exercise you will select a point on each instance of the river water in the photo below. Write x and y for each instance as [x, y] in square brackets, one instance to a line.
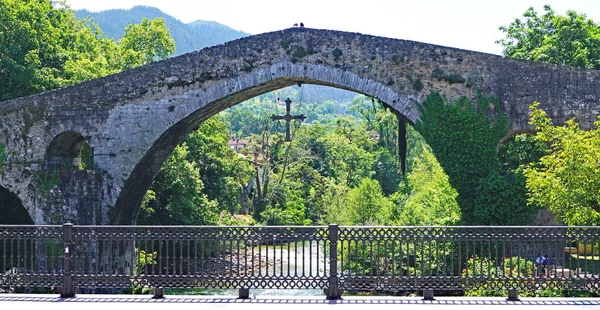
[294, 259]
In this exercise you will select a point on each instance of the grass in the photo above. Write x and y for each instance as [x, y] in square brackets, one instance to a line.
[589, 264]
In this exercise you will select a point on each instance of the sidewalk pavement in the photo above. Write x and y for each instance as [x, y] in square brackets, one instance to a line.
[181, 302]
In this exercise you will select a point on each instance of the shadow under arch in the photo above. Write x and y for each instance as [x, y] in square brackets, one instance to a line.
[131, 196]
[12, 210]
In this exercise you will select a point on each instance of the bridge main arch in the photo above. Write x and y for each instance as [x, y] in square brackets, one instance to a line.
[188, 114]
[133, 120]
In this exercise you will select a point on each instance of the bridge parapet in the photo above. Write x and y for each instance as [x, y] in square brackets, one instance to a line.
[385, 259]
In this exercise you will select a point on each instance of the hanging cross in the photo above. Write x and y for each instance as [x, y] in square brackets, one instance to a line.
[288, 117]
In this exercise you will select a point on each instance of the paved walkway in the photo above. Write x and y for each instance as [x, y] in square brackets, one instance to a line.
[130, 302]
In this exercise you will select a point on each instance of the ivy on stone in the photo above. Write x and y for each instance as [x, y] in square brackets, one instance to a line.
[3, 156]
[464, 136]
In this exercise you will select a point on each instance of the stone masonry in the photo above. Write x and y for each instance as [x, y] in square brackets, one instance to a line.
[134, 119]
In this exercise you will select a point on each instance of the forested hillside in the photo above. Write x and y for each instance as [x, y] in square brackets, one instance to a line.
[188, 37]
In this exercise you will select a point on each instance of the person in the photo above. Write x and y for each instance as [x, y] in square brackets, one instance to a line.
[540, 262]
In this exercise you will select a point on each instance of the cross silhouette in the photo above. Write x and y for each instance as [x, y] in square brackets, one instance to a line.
[288, 117]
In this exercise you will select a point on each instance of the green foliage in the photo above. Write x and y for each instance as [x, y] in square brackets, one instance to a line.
[417, 85]
[47, 180]
[334, 204]
[572, 39]
[516, 154]
[428, 197]
[87, 161]
[337, 53]
[3, 156]
[43, 46]
[290, 212]
[567, 179]
[367, 204]
[226, 219]
[299, 52]
[564, 293]
[144, 260]
[505, 196]
[370, 258]
[221, 170]
[397, 59]
[285, 44]
[485, 267]
[150, 40]
[386, 172]
[328, 161]
[464, 139]
[175, 197]
[451, 78]
[344, 159]
[34, 46]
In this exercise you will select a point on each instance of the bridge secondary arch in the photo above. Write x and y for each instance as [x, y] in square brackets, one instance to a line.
[134, 119]
[12, 209]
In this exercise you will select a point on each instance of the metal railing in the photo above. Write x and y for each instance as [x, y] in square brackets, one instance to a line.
[68, 258]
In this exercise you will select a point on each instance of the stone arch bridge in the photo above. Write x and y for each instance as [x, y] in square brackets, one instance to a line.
[134, 119]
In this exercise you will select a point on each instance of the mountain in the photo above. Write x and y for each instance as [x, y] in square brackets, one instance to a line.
[188, 37]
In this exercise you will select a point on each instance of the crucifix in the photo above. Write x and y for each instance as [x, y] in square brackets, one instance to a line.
[288, 117]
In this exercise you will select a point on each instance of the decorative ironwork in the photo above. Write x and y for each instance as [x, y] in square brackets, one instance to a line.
[70, 258]
[30, 257]
[468, 258]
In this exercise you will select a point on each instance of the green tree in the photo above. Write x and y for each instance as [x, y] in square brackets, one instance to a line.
[147, 41]
[220, 168]
[175, 197]
[520, 151]
[368, 205]
[430, 199]
[386, 172]
[567, 179]
[289, 211]
[346, 158]
[37, 38]
[334, 204]
[572, 39]
[43, 47]
[377, 119]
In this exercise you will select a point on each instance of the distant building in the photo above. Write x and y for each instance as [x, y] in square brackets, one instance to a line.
[237, 144]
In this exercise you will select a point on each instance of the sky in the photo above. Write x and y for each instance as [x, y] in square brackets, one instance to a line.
[466, 24]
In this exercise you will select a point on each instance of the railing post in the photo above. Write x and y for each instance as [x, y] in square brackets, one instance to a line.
[513, 295]
[428, 295]
[333, 291]
[67, 289]
[244, 293]
[159, 293]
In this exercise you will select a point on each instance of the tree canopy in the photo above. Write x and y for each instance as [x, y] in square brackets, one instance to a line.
[567, 179]
[43, 46]
[572, 39]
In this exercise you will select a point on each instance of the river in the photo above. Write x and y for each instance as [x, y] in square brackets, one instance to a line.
[282, 260]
